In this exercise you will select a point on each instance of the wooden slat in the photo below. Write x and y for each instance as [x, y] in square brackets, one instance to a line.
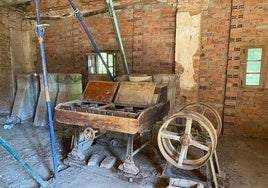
[151, 115]
[135, 93]
[98, 121]
[100, 91]
[161, 91]
[139, 123]
[13, 2]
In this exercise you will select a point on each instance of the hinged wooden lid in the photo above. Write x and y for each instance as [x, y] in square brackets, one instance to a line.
[135, 93]
[100, 91]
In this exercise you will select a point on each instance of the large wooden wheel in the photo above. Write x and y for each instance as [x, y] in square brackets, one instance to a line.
[209, 112]
[187, 140]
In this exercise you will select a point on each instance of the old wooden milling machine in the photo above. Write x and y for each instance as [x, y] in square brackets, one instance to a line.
[126, 107]
[187, 139]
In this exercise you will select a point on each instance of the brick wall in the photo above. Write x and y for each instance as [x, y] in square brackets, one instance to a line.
[251, 114]
[58, 39]
[158, 40]
[226, 29]
[148, 34]
[17, 53]
[147, 30]
[246, 110]
[8, 23]
[213, 57]
[5, 66]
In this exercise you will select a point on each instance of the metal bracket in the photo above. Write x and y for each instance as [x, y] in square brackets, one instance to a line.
[129, 166]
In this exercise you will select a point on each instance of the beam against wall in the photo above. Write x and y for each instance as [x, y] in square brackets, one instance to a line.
[13, 2]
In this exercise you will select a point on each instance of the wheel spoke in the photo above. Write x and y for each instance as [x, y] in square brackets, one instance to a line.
[188, 125]
[169, 148]
[170, 135]
[183, 153]
[199, 145]
[202, 109]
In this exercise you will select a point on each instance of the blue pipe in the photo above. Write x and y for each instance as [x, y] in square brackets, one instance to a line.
[24, 164]
[78, 16]
[40, 31]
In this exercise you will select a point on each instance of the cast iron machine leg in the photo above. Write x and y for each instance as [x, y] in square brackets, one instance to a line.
[129, 166]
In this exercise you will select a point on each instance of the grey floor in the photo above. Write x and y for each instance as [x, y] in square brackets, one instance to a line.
[243, 161]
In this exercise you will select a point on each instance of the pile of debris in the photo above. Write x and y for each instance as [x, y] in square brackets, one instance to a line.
[9, 121]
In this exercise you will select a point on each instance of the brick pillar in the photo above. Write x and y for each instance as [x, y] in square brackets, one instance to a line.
[137, 39]
[79, 58]
[233, 65]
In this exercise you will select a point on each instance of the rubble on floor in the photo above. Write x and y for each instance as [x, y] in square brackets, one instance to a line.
[243, 162]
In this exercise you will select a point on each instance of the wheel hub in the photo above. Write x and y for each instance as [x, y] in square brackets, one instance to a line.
[185, 140]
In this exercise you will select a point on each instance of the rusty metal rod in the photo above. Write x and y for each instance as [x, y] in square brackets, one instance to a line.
[140, 148]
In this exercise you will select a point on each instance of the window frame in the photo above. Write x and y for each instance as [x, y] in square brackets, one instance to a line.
[97, 62]
[263, 72]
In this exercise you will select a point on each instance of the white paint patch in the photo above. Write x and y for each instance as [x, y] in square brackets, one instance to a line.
[262, 27]
[187, 43]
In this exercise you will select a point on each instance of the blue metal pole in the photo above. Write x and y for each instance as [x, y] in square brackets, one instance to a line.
[24, 164]
[40, 31]
[78, 16]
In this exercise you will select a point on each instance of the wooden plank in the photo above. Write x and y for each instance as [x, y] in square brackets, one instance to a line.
[98, 121]
[13, 2]
[72, 113]
[155, 113]
[161, 91]
[100, 91]
[135, 93]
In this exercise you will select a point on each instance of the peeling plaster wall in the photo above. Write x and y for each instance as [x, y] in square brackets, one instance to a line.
[188, 48]
[21, 51]
[187, 45]
[17, 54]
[5, 65]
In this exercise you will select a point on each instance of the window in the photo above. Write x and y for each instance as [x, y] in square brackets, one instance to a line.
[95, 65]
[255, 74]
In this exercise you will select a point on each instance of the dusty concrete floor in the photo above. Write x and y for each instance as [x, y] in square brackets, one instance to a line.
[243, 161]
